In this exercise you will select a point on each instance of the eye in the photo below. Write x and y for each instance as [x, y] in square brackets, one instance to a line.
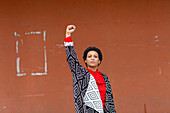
[89, 56]
[95, 56]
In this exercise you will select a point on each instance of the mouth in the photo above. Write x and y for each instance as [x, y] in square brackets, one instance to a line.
[92, 62]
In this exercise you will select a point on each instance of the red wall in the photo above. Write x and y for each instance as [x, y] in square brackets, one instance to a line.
[133, 36]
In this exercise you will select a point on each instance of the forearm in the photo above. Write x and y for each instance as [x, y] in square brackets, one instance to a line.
[68, 43]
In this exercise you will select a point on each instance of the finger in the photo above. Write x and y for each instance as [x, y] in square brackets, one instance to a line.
[74, 26]
[72, 30]
[71, 26]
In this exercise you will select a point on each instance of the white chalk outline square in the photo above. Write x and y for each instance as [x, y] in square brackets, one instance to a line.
[18, 62]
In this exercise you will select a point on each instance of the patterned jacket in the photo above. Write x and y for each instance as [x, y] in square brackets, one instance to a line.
[86, 93]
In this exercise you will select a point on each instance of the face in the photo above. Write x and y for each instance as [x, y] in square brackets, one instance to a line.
[92, 59]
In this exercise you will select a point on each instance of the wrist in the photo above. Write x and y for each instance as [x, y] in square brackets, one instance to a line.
[68, 35]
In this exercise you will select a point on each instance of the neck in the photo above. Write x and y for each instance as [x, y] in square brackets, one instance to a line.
[92, 68]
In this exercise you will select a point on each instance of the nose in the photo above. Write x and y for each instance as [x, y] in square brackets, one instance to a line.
[92, 58]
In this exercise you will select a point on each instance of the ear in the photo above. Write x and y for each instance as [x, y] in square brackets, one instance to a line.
[85, 61]
[99, 61]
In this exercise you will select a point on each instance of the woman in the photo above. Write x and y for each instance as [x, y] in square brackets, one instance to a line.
[92, 90]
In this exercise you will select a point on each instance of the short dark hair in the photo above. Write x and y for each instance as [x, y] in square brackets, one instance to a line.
[92, 49]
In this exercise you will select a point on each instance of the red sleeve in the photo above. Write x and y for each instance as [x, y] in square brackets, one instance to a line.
[68, 39]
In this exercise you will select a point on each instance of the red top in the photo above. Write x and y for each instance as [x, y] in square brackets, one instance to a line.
[68, 39]
[100, 83]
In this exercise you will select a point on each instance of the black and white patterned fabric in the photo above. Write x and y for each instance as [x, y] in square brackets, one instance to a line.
[109, 102]
[86, 93]
[92, 96]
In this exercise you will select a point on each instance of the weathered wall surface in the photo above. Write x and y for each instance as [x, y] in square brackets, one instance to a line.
[133, 36]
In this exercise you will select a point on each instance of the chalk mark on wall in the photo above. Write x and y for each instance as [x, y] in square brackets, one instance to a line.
[34, 95]
[157, 40]
[160, 70]
[20, 71]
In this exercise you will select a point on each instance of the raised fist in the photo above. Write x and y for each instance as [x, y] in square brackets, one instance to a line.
[70, 29]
